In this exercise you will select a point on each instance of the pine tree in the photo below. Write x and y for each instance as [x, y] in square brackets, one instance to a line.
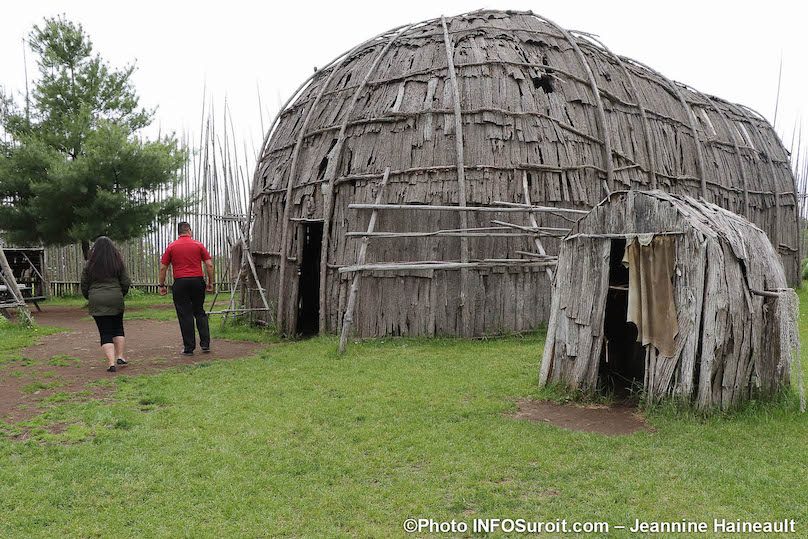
[74, 167]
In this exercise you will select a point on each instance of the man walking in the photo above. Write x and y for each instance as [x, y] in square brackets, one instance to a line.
[186, 256]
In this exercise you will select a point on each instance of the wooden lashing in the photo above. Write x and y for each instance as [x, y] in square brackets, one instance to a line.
[461, 180]
[535, 224]
[331, 173]
[347, 318]
[649, 147]
[7, 276]
[740, 109]
[691, 120]
[604, 129]
[733, 134]
[284, 247]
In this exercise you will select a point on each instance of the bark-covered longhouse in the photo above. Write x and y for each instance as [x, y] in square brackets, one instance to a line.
[539, 106]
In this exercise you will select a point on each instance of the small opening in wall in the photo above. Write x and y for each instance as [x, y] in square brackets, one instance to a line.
[545, 82]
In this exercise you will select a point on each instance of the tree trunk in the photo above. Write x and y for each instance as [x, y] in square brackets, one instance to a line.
[85, 248]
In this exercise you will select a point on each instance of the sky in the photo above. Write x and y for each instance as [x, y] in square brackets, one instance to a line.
[237, 50]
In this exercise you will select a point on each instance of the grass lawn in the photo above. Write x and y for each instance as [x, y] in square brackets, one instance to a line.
[298, 442]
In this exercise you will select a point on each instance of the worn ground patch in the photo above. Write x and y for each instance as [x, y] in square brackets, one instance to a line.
[70, 366]
[612, 420]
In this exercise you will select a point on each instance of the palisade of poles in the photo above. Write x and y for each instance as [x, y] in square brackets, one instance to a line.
[215, 183]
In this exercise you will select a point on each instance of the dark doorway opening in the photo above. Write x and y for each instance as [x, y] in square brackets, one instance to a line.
[622, 366]
[308, 296]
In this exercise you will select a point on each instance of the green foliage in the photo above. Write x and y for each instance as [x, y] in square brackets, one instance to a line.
[76, 168]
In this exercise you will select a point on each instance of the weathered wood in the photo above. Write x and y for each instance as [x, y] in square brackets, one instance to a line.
[527, 104]
[601, 113]
[691, 118]
[494, 209]
[465, 307]
[347, 318]
[7, 276]
[647, 135]
[334, 161]
[493, 263]
[735, 338]
[534, 223]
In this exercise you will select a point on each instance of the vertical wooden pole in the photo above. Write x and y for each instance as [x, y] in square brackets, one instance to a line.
[347, 319]
[461, 181]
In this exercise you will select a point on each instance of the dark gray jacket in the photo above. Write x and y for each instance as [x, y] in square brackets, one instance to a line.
[105, 295]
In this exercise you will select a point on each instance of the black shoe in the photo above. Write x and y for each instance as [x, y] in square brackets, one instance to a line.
[112, 368]
[187, 352]
[122, 361]
[205, 349]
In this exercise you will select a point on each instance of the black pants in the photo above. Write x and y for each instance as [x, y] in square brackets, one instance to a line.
[189, 300]
[109, 327]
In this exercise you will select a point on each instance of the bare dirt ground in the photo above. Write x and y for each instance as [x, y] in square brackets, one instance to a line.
[72, 363]
[612, 420]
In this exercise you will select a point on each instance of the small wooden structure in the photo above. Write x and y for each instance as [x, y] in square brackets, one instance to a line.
[21, 280]
[28, 267]
[704, 288]
[426, 159]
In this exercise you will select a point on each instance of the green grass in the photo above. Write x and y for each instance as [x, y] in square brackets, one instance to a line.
[298, 442]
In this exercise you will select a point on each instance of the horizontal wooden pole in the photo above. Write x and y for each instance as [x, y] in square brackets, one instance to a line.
[505, 209]
[527, 228]
[492, 263]
[239, 310]
[624, 236]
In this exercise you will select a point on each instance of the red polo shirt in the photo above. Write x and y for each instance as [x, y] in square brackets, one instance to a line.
[185, 255]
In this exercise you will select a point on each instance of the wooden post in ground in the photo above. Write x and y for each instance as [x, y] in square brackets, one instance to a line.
[465, 307]
[347, 318]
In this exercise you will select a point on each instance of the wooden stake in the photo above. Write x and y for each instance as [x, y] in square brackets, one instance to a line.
[534, 223]
[347, 318]
[461, 180]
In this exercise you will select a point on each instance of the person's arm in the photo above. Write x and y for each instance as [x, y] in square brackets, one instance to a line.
[208, 261]
[125, 280]
[161, 281]
[211, 274]
[85, 283]
[165, 260]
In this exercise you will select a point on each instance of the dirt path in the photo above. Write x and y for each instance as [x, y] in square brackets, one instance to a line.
[72, 363]
[612, 420]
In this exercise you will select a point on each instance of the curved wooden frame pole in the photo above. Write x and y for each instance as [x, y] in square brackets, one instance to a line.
[691, 119]
[761, 152]
[652, 178]
[331, 173]
[461, 179]
[607, 143]
[733, 135]
[284, 247]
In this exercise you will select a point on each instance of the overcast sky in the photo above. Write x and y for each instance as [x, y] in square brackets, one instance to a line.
[235, 48]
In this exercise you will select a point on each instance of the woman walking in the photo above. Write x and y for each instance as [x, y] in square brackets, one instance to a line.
[104, 282]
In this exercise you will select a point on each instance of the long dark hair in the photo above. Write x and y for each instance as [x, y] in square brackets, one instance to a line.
[105, 259]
